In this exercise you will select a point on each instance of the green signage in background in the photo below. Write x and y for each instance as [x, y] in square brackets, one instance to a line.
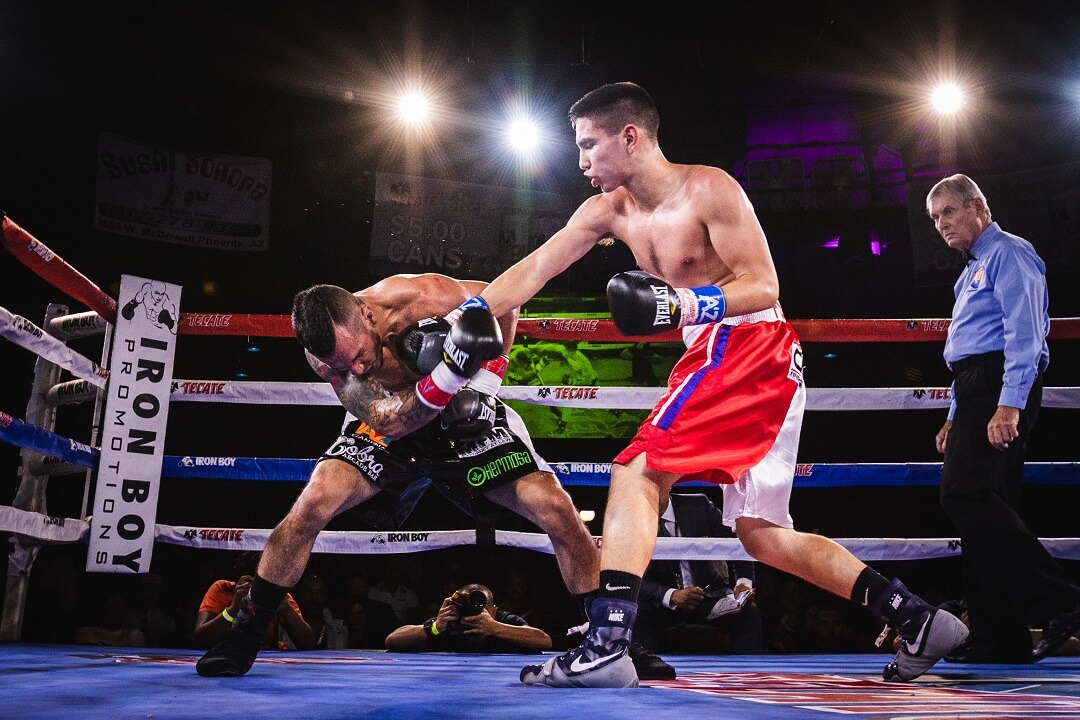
[546, 362]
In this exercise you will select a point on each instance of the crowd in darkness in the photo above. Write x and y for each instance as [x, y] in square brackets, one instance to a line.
[361, 599]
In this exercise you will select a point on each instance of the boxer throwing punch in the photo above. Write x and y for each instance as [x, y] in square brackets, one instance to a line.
[733, 409]
[421, 405]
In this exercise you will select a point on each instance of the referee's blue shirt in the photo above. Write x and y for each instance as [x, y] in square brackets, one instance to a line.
[1002, 304]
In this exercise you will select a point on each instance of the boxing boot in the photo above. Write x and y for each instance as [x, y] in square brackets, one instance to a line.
[235, 653]
[927, 633]
[602, 659]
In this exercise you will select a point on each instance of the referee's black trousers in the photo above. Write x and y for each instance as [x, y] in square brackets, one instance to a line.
[1011, 582]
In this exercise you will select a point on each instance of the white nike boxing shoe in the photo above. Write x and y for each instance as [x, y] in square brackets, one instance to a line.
[927, 633]
[602, 659]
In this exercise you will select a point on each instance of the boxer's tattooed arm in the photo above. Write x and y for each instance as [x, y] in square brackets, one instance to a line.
[394, 415]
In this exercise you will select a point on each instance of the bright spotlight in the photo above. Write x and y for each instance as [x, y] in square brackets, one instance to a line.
[587, 515]
[947, 98]
[413, 108]
[523, 135]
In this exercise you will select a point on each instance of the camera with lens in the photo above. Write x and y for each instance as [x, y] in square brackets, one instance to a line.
[469, 603]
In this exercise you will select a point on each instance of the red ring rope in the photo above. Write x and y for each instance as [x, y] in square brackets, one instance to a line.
[52, 268]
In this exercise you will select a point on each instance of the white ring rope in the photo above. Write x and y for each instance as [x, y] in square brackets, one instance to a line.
[585, 396]
[26, 334]
[69, 530]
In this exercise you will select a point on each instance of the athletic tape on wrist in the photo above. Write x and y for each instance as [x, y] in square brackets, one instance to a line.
[488, 379]
[474, 302]
[436, 389]
[700, 305]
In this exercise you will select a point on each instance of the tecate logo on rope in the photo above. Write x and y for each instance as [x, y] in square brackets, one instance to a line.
[200, 388]
[206, 320]
[570, 325]
[216, 534]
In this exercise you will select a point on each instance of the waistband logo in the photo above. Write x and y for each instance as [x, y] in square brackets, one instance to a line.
[479, 475]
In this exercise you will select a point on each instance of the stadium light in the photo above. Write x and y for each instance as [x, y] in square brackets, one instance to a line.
[947, 98]
[413, 108]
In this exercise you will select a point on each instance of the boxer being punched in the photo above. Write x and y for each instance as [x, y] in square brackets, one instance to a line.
[733, 410]
[421, 405]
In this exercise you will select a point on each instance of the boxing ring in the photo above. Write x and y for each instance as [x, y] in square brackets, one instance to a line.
[52, 681]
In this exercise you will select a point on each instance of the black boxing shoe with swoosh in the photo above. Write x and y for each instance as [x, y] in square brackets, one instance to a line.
[602, 659]
[235, 653]
[927, 634]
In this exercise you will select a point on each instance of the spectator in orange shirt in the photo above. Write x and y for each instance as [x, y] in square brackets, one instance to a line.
[222, 601]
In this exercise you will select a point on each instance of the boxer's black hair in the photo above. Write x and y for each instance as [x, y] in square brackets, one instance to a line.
[315, 311]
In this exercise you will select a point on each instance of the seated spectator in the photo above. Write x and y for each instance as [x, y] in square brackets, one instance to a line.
[330, 632]
[518, 597]
[395, 593]
[829, 631]
[469, 621]
[110, 628]
[147, 615]
[222, 601]
[372, 621]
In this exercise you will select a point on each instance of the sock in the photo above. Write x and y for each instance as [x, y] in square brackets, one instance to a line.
[265, 595]
[869, 586]
[619, 585]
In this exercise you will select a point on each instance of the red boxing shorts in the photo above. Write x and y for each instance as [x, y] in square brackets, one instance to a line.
[727, 400]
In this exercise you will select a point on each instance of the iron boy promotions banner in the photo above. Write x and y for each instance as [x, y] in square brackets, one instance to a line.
[198, 199]
[133, 432]
[465, 230]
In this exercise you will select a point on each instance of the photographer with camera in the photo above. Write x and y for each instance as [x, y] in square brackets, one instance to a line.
[469, 621]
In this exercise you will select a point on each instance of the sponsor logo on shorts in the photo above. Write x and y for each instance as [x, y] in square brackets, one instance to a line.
[795, 370]
[366, 431]
[53, 521]
[363, 459]
[498, 437]
[804, 470]
[480, 474]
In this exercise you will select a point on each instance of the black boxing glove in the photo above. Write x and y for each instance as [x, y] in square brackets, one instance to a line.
[165, 319]
[128, 311]
[419, 346]
[643, 304]
[473, 339]
[469, 415]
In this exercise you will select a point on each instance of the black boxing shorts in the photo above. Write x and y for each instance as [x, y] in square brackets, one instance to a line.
[460, 471]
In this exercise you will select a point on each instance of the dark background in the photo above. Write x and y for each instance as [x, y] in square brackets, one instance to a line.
[305, 84]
